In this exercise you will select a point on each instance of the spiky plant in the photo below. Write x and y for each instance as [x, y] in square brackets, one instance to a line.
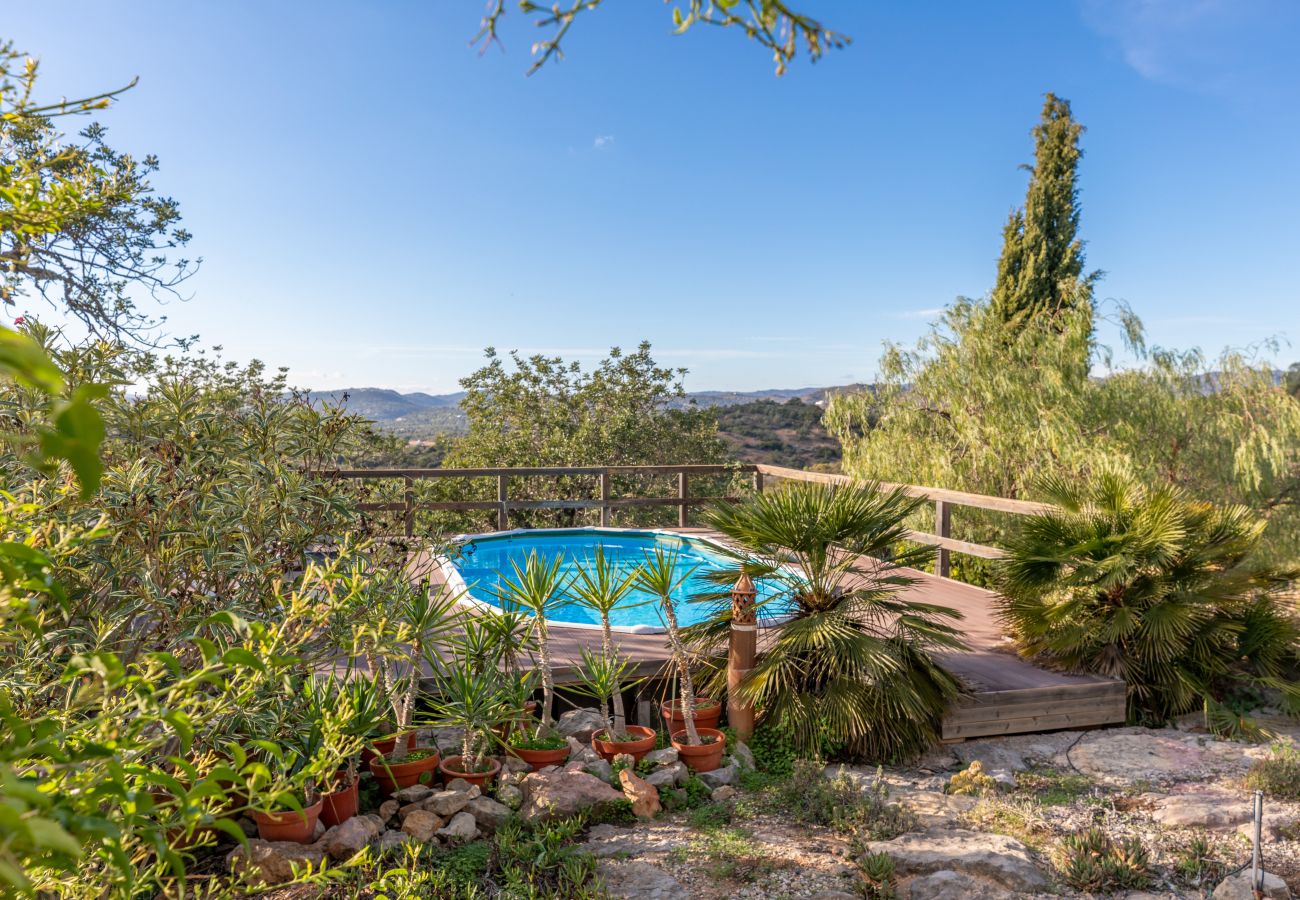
[538, 586]
[660, 576]
[601, 585]
[849, 663]
[1147, 585]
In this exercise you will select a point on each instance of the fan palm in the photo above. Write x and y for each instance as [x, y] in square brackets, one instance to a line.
[848, 662]
[1149, 586]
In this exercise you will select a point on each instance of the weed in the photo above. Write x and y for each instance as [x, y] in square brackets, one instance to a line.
[1092, 861]
[711, 815]
[613, 812]
[840, 802]
[726, 853]
[1053, 787]
[1197, 863]
[1015, 817]
[1278, 775]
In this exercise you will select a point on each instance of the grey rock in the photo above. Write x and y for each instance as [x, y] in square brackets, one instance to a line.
[580, 724]
[348, 838]
[939, 759]
[580, 752]
[1000, 760]
[723, 794]
[318, 832]
[273, 862]
[488, 813]
[743, 756]
[460, 829]
[448, 803]
[413, 794]
[388, 809]
[668, 776]
[1213, 810]
[949, 885]
[1238, 887]
[718, 777]
[1121, 756]
[640, 881]
[600, 768]
[558, 794]
[510, 796]
[391, 841]
[605, 840]
[664, 757]
[461, 786]
[997, 857]
[511, 765]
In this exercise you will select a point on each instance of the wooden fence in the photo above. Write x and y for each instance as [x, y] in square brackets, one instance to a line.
[941, 537]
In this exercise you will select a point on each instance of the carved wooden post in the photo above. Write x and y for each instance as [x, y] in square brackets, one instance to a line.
[741, 653]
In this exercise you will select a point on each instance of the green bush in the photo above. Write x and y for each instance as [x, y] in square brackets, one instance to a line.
[1152, 587]
[808, 797]
[1278, 775]
[1092, 861]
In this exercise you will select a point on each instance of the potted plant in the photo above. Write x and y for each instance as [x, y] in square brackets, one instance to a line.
[423, 616]
[701, 748]
[538, 588]
[296, 805]
[361, 704]
[602, 586]
[474, 701]
[707, 713]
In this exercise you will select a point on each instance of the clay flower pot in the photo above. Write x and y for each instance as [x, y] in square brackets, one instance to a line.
[417, 767]
[701, 757]
[298, 827]
[340, 804]
[636, 749]
[707, 713]
[540, 759]
[384, 747]
[450, 769]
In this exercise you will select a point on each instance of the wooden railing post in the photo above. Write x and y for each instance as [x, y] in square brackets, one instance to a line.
[409, 499]
[604, 499]
[943, 528]
[758, 481]
[503, 511]
[683, 491]
[741, 652]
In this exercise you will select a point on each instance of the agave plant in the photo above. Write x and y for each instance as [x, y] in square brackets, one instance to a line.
[849, 662]
[1147, 585]
[601, 585]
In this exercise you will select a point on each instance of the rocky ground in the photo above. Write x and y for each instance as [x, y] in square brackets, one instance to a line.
[1179, 792]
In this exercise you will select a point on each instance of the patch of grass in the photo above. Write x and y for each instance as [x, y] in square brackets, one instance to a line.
[693, 793]
[1053, 787]
[839, 802]
[773, 751]
[1197, 863]
[1013, 816]
[525, 741]
[710, 815]
[726, 853]
[614, 812]
[1278, 775]
[1092, 861]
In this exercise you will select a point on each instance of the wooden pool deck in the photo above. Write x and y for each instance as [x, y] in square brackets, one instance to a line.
[1008, 695]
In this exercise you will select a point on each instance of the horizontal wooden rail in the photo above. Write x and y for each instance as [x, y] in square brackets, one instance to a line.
[944, 500]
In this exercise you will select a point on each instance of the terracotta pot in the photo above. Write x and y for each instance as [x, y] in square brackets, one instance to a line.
[341, 804]
[451, 765]
[540, 759]
[384, 747]
[298, 827]
[395, 774]
[707, 713]
[636, 749]
[701, 757]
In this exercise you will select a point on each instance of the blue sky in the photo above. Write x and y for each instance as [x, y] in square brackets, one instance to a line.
[375, 202]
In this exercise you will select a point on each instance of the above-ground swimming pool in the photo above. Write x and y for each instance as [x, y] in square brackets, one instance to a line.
[484, 562]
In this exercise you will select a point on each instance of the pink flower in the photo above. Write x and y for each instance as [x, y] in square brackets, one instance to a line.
[21, 320]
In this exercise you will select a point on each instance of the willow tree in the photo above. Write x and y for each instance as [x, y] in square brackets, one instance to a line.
[1040, 270]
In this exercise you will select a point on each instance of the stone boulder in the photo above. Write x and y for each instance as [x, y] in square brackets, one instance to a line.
[723, 794]
[388, 809]
[639, 881]
[273, 862]
[643, 795]
[558, 794]
[461, 786]
[461, 829]
[488, 813]
[422, 825]
[994, 856]
[600, 768]
[510, 795]
[718, 777]
[413, 794]
[1121, 756]
[345, 840]
[391, 841]
[743, 756]
[446, 804]
[665, 757]
[949, 885]
[1238, 887]
[581, 724]
[1215, 810]
[668, 776]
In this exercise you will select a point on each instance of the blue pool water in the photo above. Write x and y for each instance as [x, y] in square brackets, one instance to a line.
[484, 562]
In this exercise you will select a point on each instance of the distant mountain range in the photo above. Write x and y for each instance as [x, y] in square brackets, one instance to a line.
[420, 414]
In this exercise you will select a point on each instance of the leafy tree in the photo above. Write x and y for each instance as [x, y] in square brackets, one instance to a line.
[80, 225]
[773, 24]
[1149, 586]
[850, 667]
[1041, 266]
[1292, 380]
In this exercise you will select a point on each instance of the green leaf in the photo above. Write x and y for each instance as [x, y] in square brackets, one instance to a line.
[22, 359]
[49, 835]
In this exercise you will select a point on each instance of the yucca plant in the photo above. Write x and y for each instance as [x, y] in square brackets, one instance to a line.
[659, 575]
[847, 663]
[1147, 585]
[538, 587]
[601, 585]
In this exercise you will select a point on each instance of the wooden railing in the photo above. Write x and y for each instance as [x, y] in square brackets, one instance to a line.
[944, 500]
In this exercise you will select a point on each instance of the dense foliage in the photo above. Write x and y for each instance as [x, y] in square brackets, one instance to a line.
[1146, 585]
[851, 668]
[781, 434]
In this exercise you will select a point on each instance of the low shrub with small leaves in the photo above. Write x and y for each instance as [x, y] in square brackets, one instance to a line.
[773, 752]
[1092, 861]
[1277, 775]
[808, 797]
[972, 781]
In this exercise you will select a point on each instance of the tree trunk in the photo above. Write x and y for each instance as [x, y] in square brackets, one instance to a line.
[683, 672]
[619, 731]
[548, 677]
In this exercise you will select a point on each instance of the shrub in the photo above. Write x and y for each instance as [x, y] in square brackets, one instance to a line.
[971, 781]
[839, 802]
[1152, 587]
[1092, 861]
[1278, 775]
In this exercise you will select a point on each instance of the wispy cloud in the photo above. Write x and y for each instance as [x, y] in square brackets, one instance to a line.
[917, 313]
[603, 142]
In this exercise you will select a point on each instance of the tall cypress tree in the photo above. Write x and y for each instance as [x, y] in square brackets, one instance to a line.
[1041, 267]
